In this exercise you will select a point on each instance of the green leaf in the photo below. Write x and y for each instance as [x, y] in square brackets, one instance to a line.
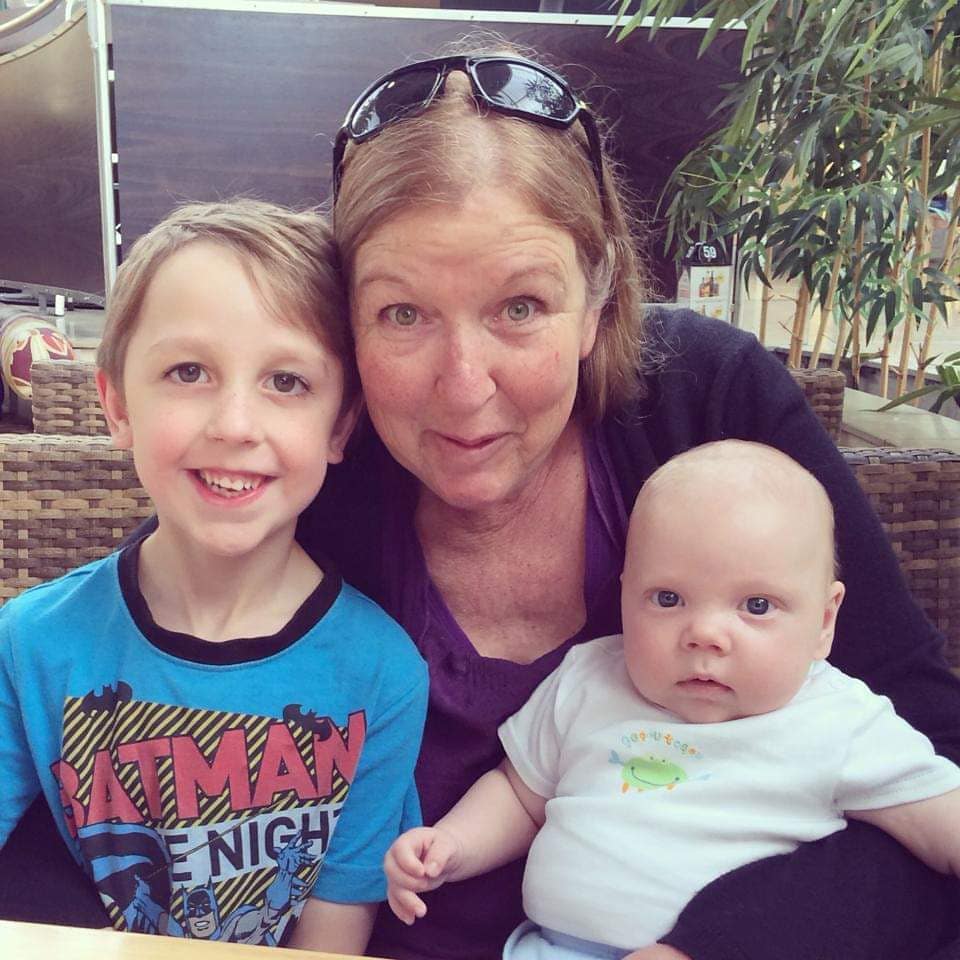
[909, 397]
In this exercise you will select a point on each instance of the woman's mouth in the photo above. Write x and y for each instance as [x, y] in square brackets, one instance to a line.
[476, 443]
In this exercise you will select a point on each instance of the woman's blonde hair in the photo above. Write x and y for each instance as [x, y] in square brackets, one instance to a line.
[456, 146]
[290, 253]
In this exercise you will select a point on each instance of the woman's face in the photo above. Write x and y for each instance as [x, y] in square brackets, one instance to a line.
[470, 325]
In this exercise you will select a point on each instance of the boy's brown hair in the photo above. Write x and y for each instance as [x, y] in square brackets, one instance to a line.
[291, 258]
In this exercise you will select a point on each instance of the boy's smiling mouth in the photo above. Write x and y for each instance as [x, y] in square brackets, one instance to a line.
[230, 485]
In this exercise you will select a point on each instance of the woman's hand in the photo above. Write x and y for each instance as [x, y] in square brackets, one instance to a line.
[657, 951]
[417, 861]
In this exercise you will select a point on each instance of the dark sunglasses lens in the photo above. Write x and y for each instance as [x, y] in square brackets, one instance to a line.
[397, 97]
[525, 88]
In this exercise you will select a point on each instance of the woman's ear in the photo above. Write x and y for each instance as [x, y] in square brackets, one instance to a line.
[835, 594]
[115, 410]
[343, 428]
[588, 335]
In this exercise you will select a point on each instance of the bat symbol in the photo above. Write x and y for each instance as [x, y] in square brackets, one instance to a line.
[107, 699]
[294, 713]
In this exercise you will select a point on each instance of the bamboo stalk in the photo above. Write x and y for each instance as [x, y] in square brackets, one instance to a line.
[885, 366]
[765, 296]
[826, 310]
[921, 250]
[946, 266]
[855, 318]
[795, 357]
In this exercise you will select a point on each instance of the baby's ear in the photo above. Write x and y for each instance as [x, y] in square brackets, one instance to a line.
[115, 410]
[835, 594]
[343, 428]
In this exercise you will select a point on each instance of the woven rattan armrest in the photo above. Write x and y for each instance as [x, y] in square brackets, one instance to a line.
[916, 493]
[64, 500]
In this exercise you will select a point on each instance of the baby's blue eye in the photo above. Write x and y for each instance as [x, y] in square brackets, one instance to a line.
[758, 606]
[667, 598]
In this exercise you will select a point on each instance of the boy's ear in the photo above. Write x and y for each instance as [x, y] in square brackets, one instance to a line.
[346, 421]
[835, 594]
[115, 410]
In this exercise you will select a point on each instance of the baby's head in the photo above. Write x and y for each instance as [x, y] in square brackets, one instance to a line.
[729, 582]
[227, 366]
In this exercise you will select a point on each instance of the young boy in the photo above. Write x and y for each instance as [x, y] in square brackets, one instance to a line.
[225, 731]
[710, 734]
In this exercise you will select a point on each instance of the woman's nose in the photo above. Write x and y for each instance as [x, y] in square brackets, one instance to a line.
[234, 419]
[464, 375]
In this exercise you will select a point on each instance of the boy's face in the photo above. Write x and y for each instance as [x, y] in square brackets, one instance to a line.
[727, 600]
[232, 414]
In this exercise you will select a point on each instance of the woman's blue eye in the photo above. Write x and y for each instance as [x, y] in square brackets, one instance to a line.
[187, 372]
[519, 310]
[758, 606]
[403, 314]
[667, 598]
[287, 383]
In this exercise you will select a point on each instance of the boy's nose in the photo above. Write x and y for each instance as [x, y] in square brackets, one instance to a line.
[233, 419]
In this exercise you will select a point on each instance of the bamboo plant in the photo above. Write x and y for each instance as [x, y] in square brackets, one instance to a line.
[840, 136]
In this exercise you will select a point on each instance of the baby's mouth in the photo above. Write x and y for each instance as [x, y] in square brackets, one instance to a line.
[230, 485]
[702, 682]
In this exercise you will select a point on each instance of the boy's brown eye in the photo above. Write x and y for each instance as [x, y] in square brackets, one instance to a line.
[188, 372]
[286, 382]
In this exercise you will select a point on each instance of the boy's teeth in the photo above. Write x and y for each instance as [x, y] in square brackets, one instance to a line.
[225, 482]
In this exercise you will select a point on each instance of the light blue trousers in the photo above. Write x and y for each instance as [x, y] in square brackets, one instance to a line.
[532, 942]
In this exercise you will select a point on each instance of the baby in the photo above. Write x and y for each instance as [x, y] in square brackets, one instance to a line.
[710, 734]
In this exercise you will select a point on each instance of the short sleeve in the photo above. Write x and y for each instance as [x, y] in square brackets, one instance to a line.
[889, 762]
[382, 801]
[17, 772]
[531, 738]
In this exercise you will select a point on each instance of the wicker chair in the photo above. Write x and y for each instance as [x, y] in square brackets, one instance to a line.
[823, 389]
[65, 398]
[63, 502]
[66, 500]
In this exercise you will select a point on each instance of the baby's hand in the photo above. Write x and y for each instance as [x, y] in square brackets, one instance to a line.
[417, 861]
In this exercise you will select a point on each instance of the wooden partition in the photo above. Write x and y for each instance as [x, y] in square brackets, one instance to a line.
[49, 191]
[246, 98]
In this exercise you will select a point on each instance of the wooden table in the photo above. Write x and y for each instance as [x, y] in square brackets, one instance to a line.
[37, 941]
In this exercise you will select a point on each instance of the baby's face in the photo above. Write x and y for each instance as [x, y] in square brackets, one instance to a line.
[727, 600]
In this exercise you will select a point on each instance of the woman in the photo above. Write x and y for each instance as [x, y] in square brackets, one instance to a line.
[517, 404]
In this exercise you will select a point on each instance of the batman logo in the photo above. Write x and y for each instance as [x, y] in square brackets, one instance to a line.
[294, 713]
[107, 699]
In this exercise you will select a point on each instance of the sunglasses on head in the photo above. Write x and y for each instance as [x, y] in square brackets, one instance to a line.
[509, 85]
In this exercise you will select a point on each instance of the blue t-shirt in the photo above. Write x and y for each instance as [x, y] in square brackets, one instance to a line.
[209, 788]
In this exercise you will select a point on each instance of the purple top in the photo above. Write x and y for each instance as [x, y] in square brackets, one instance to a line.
[470, 696]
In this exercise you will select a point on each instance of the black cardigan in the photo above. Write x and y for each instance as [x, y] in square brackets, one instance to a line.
[857, 895]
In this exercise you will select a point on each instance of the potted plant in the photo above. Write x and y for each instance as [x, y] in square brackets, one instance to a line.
[841, 142]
